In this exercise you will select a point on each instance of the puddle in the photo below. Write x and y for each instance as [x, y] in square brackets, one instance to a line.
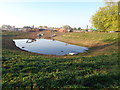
[49, 47]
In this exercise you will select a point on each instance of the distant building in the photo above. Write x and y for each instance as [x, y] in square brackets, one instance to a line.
[62, 30]
[65, 30]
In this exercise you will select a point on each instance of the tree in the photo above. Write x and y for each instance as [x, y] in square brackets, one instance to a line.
[44, 26]
[79, 28]
[40, 27]
[26, 27]
[66, 27]
[6, 26]
[75, 28]
[106, 18]
[111, 2]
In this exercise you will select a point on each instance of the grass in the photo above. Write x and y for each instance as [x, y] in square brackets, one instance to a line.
[26, 70]
[90, 38]
[99, 43]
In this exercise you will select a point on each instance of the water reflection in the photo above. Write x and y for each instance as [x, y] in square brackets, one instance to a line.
[50, 47]
[30, 40]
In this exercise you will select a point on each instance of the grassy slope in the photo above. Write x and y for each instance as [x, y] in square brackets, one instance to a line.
[99, 43]
[22, 69]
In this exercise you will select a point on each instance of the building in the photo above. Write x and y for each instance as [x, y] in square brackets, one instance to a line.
[65, 30]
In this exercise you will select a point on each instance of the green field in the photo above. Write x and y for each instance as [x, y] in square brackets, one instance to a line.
[97, 68]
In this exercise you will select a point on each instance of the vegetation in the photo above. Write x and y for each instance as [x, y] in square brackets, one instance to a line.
[74, 28]
[66, 27]
[106, 18]
[26, 70]
[79, 28]
[26, 27]
[89, 39]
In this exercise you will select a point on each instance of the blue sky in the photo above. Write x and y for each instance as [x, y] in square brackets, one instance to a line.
[52, 14]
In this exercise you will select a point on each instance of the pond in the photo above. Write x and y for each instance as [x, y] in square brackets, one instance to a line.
[49, 47]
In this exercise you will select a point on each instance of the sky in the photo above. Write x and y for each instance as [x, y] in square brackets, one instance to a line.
[49, 13]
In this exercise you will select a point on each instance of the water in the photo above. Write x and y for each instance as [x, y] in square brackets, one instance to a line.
[49, 47]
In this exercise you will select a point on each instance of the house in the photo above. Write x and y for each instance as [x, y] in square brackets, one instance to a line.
[55, 29]
[65, 30]
[62, 30]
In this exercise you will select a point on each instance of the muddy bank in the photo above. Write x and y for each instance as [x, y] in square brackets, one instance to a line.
[34, 35]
